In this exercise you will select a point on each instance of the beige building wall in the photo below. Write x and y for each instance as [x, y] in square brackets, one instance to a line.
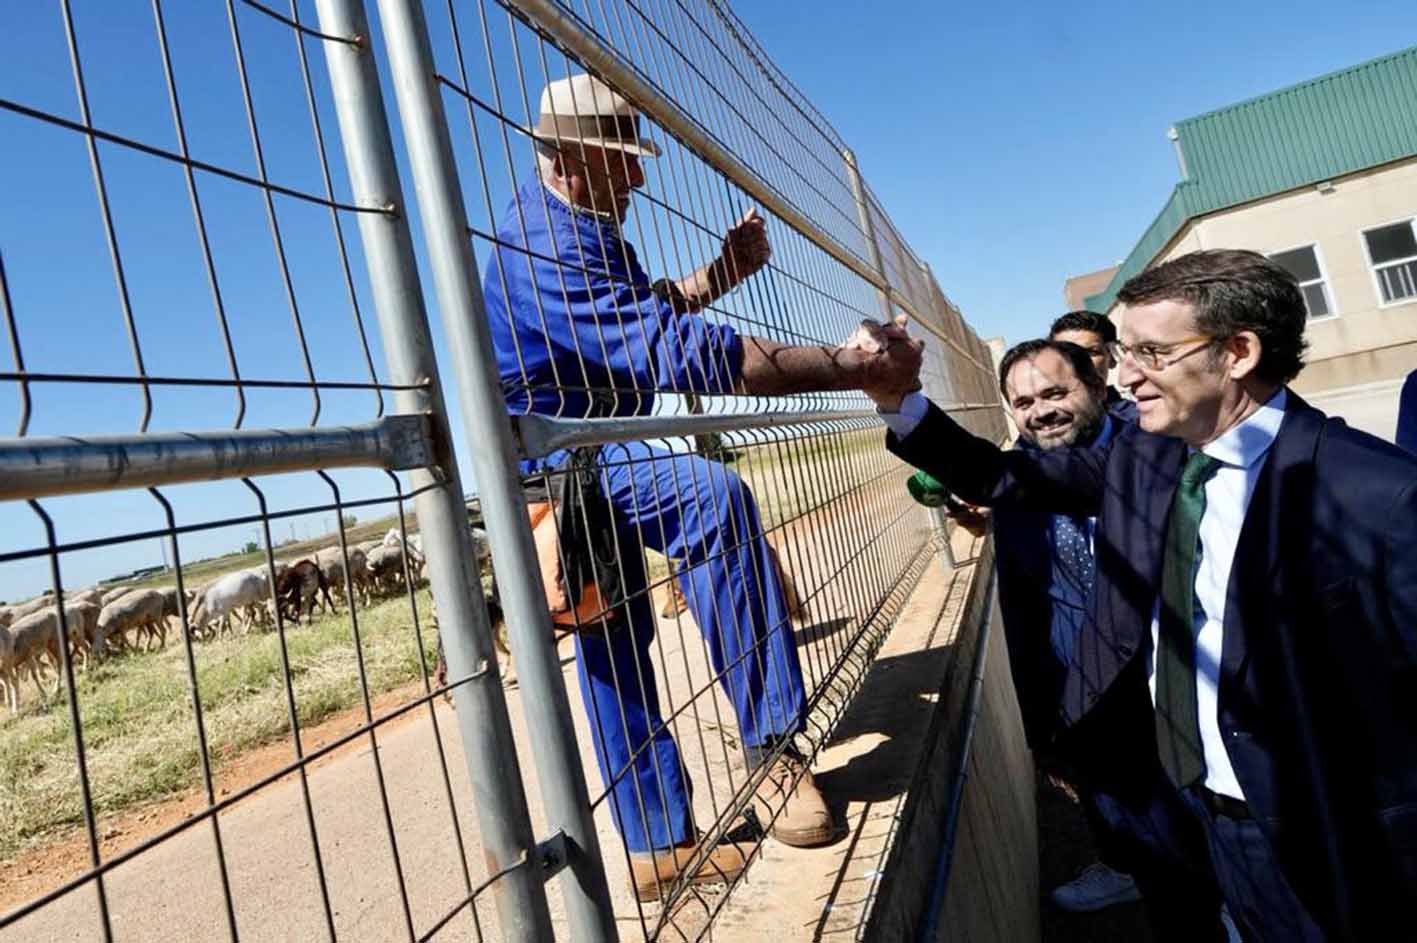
[1358, 355]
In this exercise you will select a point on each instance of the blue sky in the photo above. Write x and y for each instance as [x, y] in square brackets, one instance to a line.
[1018, 143]
[1012, 144]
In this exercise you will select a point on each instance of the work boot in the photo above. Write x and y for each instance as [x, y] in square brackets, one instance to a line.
[654, 873]
[804, 820]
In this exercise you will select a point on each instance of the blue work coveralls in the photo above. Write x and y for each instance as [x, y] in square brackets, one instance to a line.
[579, 331]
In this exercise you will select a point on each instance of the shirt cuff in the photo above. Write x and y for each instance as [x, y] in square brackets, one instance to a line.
[913, 408]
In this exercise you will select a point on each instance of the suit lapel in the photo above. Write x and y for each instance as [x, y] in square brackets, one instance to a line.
[1272, 533]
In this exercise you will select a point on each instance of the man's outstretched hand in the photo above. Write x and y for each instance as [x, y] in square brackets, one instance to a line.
[892, 368]
[746, 248]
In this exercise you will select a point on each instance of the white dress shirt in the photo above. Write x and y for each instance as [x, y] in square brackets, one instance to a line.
[1241, 452]
[913, 407]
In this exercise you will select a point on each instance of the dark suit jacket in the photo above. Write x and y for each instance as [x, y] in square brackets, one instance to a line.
[1318, 679]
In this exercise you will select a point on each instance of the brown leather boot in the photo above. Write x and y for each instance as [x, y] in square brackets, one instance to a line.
[654, 873]
[805, 821]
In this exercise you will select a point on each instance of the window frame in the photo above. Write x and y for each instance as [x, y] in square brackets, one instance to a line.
[1411, 221]
[1323, 279]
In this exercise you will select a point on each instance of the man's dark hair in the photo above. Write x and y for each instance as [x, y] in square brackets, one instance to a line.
[1076, 356]
[1098, 324]
[1234, 290]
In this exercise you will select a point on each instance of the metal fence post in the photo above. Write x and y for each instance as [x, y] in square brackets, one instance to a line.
[563, 784]
[868, 229]
[483, 721]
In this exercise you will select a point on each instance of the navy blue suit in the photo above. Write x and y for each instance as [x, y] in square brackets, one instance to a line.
[1318, 675]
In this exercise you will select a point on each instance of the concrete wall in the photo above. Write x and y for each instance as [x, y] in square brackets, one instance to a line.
[1357, 353]
[992, 895]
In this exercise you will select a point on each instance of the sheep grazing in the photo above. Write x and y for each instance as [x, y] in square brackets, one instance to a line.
[386, 567]
[27, 643]
[114, 594]
[297, 589]
[235, 594]
[81, 620]
[21, 609]
[7, 677]
[138, 612]
[331, 563]
[86, 596]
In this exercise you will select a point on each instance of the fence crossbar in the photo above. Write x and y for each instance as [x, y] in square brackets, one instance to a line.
[33, 467]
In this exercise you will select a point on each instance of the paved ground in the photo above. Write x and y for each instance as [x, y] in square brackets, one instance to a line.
[174, 890]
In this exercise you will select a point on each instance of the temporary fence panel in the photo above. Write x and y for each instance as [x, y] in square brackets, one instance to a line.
[759, 548]
[178, 271]
[179, 258]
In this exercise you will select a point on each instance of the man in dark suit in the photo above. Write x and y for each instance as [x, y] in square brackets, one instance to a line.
[1046, 574]
[1255, 604]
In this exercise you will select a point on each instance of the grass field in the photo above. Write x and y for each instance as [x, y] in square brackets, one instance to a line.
[139, 731]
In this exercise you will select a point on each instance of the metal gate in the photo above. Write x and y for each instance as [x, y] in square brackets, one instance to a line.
[180, 257]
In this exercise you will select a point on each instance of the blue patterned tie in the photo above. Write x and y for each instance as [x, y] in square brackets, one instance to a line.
[1074, 550]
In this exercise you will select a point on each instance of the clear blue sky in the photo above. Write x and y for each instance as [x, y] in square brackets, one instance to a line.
[1015, 144]
[1012, 144]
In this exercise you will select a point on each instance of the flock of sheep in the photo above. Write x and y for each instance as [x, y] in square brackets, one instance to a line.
[127, 618]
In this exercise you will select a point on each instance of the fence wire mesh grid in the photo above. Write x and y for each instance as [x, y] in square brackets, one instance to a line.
[180, 258]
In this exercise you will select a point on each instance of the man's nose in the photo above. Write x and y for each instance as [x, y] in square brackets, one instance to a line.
[1128, 373]
[637, 173]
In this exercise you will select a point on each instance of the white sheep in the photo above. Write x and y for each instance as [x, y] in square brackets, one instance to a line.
[29, 640]
[233, 594]
[20, 609]
[114, 594]
[331, 563]
[139, 612]
[81, 619]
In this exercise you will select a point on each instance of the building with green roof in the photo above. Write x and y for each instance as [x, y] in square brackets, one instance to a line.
[1321, 176]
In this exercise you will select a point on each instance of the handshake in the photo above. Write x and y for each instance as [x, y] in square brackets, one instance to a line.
[890, 361]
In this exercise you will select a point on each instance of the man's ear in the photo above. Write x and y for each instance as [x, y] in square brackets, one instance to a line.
[1245, 349]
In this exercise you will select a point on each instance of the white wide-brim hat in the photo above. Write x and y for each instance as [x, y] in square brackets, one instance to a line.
[583, 109]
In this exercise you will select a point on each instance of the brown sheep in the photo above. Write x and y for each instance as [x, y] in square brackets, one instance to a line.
[297, 588]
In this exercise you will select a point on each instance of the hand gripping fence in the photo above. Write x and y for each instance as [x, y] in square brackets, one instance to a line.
[759, 551]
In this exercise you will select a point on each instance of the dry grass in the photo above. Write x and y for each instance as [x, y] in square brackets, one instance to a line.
[139, 729]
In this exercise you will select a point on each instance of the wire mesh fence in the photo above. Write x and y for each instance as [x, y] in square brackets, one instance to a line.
[757, 550]
[179, 272]
[195, 326]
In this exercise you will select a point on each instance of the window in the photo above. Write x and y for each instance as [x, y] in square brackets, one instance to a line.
[1303, 264]
[1393, 253]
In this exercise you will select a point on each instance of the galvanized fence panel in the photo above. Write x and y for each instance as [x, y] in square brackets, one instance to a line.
[180, 259]
[178, 271]
[719, 501]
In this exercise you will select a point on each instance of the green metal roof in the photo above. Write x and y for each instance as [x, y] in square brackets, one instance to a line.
[1336, 124]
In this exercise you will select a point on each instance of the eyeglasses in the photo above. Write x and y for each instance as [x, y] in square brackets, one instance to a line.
[1154, 356]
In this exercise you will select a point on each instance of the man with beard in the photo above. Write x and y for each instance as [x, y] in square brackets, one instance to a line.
[1045, 570]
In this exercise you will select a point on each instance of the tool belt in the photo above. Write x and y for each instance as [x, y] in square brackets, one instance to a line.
[574, 532]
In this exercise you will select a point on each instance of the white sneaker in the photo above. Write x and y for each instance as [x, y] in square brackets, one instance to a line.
[1232, 932]
[1097, 887]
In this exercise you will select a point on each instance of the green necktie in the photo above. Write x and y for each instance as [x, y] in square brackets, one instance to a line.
[1178, 733]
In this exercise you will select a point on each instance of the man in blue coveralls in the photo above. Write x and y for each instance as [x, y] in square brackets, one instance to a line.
[581, 332]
